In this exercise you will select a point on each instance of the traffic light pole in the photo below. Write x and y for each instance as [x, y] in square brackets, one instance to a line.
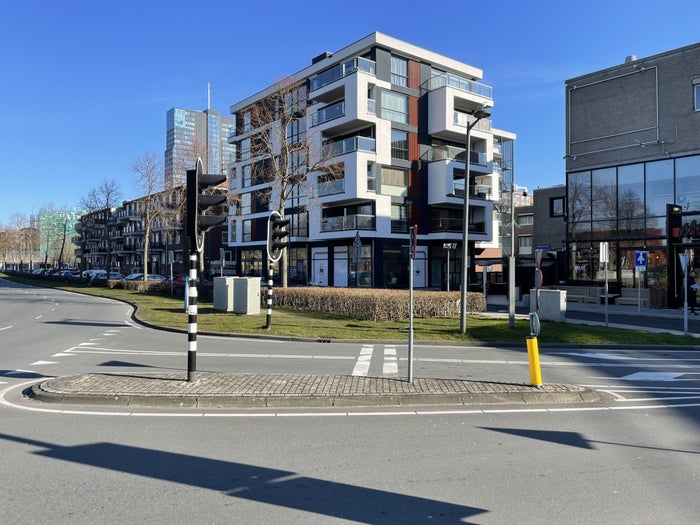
[269, 295]
[192, 319]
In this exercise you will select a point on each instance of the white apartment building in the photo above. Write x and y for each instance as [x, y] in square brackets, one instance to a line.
[391, 119]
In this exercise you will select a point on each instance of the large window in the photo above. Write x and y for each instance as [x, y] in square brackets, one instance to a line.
[659, 177]
[696, 90]
[399, 71]
[688, 182]
[399, 218]
[399, 144]
[604, 194]
[394, 107]
[394, 181]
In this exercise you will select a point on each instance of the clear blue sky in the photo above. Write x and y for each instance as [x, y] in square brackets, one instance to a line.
[85, 84]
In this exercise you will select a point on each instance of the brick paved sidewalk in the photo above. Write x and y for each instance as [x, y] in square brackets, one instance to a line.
[216, 390]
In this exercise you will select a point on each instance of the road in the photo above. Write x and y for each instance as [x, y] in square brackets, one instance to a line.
[634, 458]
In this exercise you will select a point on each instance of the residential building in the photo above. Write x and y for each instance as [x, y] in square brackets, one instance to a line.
[190, 134]
[388, 120]
[115, 238]
[633, 149]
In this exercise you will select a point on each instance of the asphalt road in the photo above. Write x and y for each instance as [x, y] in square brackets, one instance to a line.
[634, 458]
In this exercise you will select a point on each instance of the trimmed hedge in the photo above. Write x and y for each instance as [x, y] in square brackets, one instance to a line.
[371, 304]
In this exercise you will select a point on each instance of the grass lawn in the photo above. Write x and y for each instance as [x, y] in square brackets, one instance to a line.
[167, 311]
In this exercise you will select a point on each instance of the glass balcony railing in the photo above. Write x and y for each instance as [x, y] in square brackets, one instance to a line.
[455, 225]
[348, 222]
[464, 119]
[463, 84]
[478, 191]
[331, 187]
[342, 70]
[349, 145]
[331, 112]
[438, 153]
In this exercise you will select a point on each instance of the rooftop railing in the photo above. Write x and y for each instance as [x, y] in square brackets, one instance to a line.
[342, 70]
[461, 83]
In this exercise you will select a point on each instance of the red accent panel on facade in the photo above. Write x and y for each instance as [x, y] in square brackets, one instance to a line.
[413, 74]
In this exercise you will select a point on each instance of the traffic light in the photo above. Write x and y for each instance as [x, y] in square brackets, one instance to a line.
[276, 236]
[198, 203]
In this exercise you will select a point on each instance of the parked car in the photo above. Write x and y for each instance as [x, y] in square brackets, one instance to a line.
[133, 277]
[89, 274]
[151, 277]
[112, 275]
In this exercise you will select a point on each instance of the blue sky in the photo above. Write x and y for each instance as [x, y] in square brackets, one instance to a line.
[85, 85]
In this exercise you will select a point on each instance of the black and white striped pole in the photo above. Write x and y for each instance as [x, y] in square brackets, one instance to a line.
[269, 295]
[197, 222]
[192, 319]
[276, 243]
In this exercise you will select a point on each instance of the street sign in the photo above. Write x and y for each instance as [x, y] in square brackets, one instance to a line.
[640, 260]
[604, 252]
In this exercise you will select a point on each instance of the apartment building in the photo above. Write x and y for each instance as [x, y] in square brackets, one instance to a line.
[633, 149]
[384, 126]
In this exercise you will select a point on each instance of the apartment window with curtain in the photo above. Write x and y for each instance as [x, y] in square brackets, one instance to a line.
[399, 144]
[394, 107]
[399, 218]
[399, 71]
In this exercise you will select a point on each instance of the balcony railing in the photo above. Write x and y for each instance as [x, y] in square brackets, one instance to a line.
[464, 119]
[463, 84]
[348, 222]
[479, 191]
[342, 70]
[331, 112]
[456, 225]
[349, 145]
[438, 153]
[331, 187]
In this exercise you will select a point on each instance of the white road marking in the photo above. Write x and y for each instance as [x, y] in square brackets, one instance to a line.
[363, 361]
[652, 376]
[5, 328]
[63, 354]
[38, 363]
[391, 365]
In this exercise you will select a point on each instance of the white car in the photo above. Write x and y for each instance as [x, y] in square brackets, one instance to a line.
[89, 274]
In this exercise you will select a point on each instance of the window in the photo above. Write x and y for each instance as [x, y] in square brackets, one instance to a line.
[399, 144]
[371, 177]
[399, 71]
[696, 90]
[394, 182]
[524, 245]
[247, 231]
[394, 107]
[556, 207]
[399, 218]
[526, 220]
[246, 122]
[247, 175]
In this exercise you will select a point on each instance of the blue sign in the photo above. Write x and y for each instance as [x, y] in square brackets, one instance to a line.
[640, 259]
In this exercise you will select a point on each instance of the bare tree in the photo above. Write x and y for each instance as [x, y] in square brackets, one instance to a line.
[285, 154]
[149, 173]
[105, 196]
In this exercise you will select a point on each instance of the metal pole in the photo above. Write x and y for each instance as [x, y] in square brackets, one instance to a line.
[192, 319]
[269, 295]
[606, 293]
[410, 305]
[511, 258]
[685, 294]
[465, 236]
[448, 269]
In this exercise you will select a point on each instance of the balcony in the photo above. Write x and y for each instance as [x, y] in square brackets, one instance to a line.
[477, 159]
[328, 113]
[331, 187]
[348, 145]
[456, 225]
[340, 71]
[348, 222]
[459, 83]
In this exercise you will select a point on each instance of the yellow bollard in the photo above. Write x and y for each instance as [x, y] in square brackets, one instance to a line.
[533, 356]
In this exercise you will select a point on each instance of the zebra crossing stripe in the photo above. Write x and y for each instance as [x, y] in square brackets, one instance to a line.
[391, 362]
[363, 361]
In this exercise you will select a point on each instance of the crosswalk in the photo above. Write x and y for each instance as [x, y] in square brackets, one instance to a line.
[388, 358]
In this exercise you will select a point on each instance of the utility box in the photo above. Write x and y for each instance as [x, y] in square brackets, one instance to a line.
[246, 295]
[223, 293]
[552, 304]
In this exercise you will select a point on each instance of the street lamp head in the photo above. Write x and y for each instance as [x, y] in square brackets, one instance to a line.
[481, 113]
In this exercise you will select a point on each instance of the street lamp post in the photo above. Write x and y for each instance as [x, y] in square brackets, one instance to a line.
[478, 115]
